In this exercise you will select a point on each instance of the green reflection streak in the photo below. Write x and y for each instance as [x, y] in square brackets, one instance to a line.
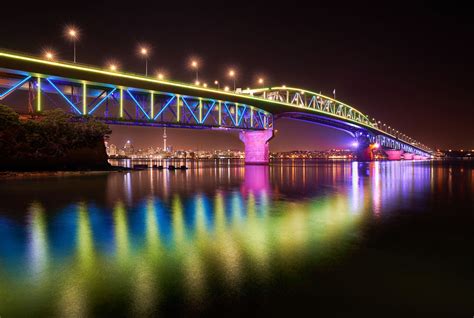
[200, 224]
[85, 240]
[219, 214]
[225, 247]
[195, 266]
[145, 282]
[256, 237]
[75, 293]
[122, 244]
[179, 230]
[38, 242]
[153, 241]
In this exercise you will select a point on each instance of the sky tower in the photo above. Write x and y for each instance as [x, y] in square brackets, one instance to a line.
[164, 139]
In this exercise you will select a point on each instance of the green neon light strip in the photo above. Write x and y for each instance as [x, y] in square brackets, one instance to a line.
[251, 116]
[121, 102]
[177, 107]
[84, 98]
[38, 92]
[152, 105]
[200, 110]
[220, 113]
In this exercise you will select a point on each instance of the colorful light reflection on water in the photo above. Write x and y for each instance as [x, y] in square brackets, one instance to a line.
[134, 242]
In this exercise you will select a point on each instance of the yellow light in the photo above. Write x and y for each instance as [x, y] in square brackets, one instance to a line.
[216, 82]
[160, 76]
[144, 51]
[49, 55]
[113, 67]
[260, 80]
[231, 73]
[197, 83]
[204, 85]
[226, 88]
[194, 64]
[72, 32]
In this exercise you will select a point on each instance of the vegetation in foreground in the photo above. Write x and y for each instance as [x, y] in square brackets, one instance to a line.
[55, 140]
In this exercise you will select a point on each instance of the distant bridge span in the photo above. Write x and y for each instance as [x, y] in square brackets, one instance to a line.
[124, 98]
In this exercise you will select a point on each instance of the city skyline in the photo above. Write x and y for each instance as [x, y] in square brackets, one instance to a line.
[389, 86]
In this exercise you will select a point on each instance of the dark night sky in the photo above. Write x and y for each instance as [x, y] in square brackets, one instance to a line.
[409, 66]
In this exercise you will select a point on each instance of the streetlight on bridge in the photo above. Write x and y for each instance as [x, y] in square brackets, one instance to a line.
[195, 66]
[216, 82]
[73, 34]
[232, 75]
[145, 52]
[49, 55]
[261, 81]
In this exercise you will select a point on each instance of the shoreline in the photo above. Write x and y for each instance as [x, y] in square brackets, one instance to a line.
[57, 173]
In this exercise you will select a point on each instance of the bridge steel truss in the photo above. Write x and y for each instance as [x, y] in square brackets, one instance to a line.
[385, 136]
[129, 105]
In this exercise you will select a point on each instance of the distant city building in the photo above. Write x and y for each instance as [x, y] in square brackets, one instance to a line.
[112, 150]
[128, 148]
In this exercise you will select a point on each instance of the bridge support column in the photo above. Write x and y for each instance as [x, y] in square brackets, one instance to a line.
[394, 154]
[408, 156]
[257, 148]
[364, 148]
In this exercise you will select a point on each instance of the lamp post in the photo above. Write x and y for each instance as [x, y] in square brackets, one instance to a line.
[195, 66]
[232, 75]
[216, 82]
[144, 52]
[73, 34]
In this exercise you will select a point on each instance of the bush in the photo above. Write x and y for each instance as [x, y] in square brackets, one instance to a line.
[48, 140]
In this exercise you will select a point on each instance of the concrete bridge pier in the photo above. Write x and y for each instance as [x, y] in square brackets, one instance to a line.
[364, 149]
[394, 154]
[257, 148]
[408, 156]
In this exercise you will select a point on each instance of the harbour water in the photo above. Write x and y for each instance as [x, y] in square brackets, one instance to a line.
[331, 238]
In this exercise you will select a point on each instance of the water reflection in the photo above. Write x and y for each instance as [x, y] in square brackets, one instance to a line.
[151, 235]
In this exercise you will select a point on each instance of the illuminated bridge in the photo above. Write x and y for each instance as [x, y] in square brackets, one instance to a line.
[31, 85]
